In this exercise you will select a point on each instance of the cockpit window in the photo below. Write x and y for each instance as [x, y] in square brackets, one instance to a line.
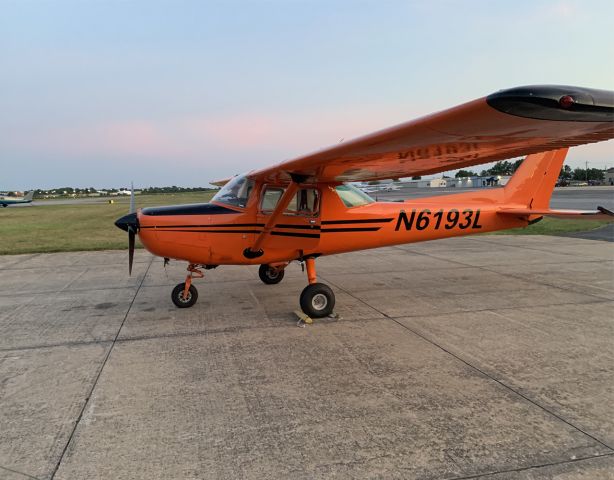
[236, 192]
[352, 196]
[306, 201]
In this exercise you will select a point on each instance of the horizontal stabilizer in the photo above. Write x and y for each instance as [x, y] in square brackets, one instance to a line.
[600, 214]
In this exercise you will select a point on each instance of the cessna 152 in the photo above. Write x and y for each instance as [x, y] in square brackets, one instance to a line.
[301, 209]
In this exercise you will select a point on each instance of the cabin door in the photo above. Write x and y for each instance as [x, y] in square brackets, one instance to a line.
[299, 226]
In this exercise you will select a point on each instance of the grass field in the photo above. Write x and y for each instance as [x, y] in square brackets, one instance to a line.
[553, 226]
[65, 228]
[82, 226]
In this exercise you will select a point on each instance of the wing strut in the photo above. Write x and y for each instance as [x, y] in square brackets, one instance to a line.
[256, 251]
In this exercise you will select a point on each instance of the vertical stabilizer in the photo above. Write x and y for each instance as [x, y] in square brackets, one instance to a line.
[533, 183]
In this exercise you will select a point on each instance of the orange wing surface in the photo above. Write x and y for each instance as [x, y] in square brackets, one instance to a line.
[506, 124]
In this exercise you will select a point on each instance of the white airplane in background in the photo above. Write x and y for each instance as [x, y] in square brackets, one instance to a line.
[382, 187]
[6, 200]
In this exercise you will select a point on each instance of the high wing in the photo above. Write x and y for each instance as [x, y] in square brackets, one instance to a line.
[506, 124]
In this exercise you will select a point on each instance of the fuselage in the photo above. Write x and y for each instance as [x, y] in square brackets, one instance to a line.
[218, 233]
[6, 201]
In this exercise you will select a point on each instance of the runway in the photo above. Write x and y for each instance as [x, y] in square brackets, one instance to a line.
[584, 198]
[484, 357]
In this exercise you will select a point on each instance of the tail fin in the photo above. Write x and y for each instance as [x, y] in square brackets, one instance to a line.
[28, 197]
[533, 183]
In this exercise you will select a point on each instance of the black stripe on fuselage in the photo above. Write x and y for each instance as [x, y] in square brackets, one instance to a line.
[293, 234]
[300, 227]
[354, 229]
[214, 231]
[281, 234]
[362, 220]
[207, 226]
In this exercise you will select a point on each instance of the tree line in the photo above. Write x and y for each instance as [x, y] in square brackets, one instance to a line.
[508, 168]
[73, 191]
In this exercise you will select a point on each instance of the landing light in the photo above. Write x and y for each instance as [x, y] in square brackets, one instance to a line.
[566, 101]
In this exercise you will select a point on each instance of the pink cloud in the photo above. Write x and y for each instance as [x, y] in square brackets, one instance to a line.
[192, 137]
[246, 140]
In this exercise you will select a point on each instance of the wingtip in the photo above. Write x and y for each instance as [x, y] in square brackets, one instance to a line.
[605, 211]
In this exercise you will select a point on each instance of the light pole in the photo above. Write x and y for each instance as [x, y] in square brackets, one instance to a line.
[587, 173]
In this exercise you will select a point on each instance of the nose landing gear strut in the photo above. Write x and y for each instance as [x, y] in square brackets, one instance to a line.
[185, 294]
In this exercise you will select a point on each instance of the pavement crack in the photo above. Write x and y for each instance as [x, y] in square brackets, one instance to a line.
[531, 467]
[54, 345]
[502, 384]
[515, 276]
[18, 472]
[479, 370]
[98, 375]
[74, 279]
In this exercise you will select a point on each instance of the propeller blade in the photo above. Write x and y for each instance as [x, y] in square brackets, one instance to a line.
[129, 223]
[131, 236]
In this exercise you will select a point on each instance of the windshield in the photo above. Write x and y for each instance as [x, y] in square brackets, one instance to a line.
[352, 196]
[236, 192]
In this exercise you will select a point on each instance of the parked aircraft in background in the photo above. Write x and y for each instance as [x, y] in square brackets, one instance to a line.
[381, 187]
[301, 209]
[6, 200]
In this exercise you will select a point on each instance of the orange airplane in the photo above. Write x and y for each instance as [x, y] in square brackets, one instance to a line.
[301, 209]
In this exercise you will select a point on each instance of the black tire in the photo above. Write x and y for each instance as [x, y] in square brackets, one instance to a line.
[269, 275]
[317, 300]
[177, 296]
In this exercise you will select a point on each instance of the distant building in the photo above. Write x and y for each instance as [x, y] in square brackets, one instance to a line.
[479, 182]
[609, 176]
[417, 183]
[438, 183]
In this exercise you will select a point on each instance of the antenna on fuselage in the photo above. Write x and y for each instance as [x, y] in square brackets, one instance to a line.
[132, 202]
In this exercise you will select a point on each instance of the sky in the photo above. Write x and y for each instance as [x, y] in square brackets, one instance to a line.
[102, 93]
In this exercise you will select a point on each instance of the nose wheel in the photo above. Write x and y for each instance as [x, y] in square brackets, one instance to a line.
[317, 299]
[185, 294]
[179, 297]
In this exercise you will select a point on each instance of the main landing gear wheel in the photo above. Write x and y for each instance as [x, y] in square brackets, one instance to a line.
[270, 275]
[184, 302]
[317, 300]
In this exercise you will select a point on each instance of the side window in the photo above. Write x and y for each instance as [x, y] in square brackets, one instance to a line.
[306, 201]
[352, 196]
[270, 198]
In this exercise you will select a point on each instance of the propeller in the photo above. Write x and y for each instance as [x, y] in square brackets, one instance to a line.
[130, 224]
